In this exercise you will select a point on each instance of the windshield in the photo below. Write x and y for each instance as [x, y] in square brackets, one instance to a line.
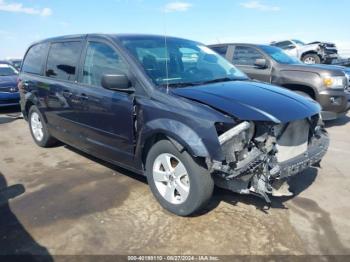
[177, 62]
[280, 56]
[17, 64]
[298, 42]
[7, 70]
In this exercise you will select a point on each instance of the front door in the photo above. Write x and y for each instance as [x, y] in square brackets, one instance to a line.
[106, 116]
[244, 58]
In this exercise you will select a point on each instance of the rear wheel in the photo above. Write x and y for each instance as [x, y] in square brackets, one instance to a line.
[39, 129]
[179, 183]
[311, 59]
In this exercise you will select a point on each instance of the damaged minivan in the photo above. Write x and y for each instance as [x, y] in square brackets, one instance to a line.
[170, 109]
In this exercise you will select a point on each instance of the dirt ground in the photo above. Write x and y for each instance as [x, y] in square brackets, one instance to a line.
[60, 201]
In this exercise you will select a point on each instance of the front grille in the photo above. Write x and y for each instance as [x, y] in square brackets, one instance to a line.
[331, 51]
[8, 89]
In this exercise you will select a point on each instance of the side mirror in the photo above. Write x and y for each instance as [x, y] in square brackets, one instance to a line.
[289, 47]
[116, 82]
[261, 63]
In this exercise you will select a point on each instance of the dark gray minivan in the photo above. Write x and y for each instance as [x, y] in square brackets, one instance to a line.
[171, 109]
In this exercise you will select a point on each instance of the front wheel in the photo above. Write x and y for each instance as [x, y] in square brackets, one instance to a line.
[179, 183]
[311, 59]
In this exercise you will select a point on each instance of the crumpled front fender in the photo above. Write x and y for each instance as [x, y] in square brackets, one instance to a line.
[177, 131]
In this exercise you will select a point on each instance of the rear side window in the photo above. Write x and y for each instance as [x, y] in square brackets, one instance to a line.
[101, 59]
[35, 59]
[246, 56]
[283, 44]
[221, 50]
[63, 59]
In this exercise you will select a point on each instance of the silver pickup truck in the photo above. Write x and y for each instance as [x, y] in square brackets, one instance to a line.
[312, 53]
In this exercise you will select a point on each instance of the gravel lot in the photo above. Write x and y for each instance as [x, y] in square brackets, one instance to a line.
[61, 201]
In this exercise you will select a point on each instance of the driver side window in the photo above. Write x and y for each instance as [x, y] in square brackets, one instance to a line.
[246, 56]
[101, 59]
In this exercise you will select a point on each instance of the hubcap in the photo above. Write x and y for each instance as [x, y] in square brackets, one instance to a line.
[310, 61]
[171, 178]
[37, 127]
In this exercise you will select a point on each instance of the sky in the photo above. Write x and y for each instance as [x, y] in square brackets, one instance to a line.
[258, 21]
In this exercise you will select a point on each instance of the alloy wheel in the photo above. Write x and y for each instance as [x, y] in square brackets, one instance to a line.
[37, 126]
[171, 178]
[310, 61]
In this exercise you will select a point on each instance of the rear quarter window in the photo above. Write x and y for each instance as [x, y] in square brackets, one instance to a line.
[283, 44]
[34, 61]
[221, 50]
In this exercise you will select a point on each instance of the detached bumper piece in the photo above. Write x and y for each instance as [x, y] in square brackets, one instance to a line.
[314, 155]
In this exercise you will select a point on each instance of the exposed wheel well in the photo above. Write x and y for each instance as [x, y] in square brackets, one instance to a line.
[161, 136]
[306, 89]
[311, 53]
[29, 104]
[149, 143]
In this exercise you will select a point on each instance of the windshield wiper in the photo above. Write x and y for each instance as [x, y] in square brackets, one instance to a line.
[218, 80]
[178, 84]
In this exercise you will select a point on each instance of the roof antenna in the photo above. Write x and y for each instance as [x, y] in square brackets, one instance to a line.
[166, 51]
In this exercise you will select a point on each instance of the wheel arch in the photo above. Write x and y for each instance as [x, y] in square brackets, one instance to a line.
[302, 88]
[180, 135]
[31, 100]
[312, 52]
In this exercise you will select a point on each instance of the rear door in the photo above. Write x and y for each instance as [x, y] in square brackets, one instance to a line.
[106, 116]
[244, 58]
[61, 78]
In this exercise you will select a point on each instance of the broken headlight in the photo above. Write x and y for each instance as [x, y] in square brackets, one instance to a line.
[226, 131]
[234, 141]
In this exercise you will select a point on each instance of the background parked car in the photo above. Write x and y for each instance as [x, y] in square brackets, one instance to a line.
[312, 53]
[16, 63]
[9, 95]
[324, 83]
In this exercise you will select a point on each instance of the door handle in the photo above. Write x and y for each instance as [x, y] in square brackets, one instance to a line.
[83, 97]
[67, 93]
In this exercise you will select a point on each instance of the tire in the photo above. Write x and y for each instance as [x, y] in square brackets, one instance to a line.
[311, 59]
[197, 180]
[38, 129]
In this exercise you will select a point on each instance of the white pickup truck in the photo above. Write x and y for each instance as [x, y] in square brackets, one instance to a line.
[312, 53]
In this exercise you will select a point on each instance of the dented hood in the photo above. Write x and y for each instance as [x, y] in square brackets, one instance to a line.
[252, 101]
